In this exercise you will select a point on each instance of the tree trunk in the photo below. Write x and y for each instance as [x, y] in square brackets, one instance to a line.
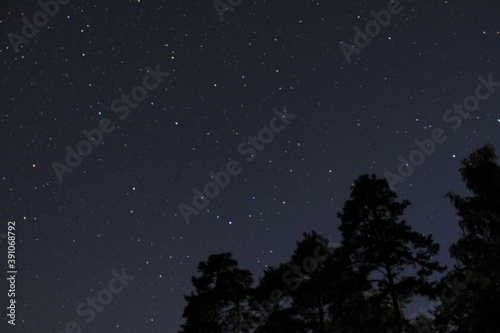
[395, 304]
[321, 314]
[239, 316]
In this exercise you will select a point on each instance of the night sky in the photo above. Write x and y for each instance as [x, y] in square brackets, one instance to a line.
[203, 87]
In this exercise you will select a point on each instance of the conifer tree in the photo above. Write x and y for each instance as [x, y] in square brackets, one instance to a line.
[471, 291]
[381, 244]
[219, 301]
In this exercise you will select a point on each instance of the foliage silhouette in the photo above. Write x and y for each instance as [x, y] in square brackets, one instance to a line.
[472, 305]
[383, 246]
[364, 284]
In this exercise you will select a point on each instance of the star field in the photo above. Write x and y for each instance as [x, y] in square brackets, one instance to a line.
[119, 208]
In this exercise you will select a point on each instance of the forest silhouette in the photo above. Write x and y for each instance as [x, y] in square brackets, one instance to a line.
[365, 283]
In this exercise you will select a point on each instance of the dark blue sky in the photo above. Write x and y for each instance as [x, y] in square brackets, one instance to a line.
[119, 207]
